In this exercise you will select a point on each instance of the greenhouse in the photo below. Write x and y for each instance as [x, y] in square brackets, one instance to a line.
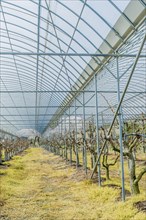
[73, 87]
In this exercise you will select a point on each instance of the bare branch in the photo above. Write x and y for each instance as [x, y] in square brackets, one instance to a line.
[140, 176]
[112, 164]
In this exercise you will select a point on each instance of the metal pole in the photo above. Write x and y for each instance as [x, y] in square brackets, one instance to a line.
[143, 131]
[68, 54]
[70, 147]
[120, 133]
[69, 91]
[59, 136]
[118, 107]
[97, 129]
[84, 131]
[37, 65]
[62, 136]
[65, 147]
[76, 147]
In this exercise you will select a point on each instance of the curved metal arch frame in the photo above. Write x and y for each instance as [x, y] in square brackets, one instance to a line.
[32, 1]
[81, 33]
[33, 73]
[73, 50]
[66, 34]
[61, 64]
[41, 18]
[56, 97]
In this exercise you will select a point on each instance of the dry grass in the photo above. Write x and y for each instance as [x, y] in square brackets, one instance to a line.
[40, 186]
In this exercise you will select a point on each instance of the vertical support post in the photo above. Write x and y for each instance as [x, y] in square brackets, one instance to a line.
[84, 131]
[97, 129]
[120, 132]
[64, 147]
[62, 137]
[37, 65]
[65, 136]
[59, 128]
[76, 147]
[70, 147]
[143, 132]
[48, 145]
[58, 136]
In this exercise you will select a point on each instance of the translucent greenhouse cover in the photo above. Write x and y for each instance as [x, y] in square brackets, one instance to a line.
[46, 52]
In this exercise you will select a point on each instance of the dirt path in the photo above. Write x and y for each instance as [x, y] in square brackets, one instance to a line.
[40, 186]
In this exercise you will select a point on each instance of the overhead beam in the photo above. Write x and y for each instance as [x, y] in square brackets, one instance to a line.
[66, 113]
[69, 54]
[57, 106]
[65, 91]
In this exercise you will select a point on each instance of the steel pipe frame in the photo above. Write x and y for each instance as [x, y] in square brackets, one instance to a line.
[68, 69]
[102, 18]
[68, 116]
[124, 72]
[72, 11]
[70, 54]
[65, 136]
[37, 63]
[61, 127]
[20, 121]
[24, 120]
[21, 124]
[127, 69]
[53, 114]
[52, 69]
[111, 115]
[59, 29]
[15, 64]
[64, 58]
[84, 131]
[78, 30]
[64, 42]
[115, 105]
[120, 133]
[9, 122]
[97, 128]
[121, 100]
[124, 15]
[87, 106]
[107, 23]
[71, 91]
[78, 100]
[76, 147]
[70, 138]
[10, 97]
[69, 24]
[104, 40]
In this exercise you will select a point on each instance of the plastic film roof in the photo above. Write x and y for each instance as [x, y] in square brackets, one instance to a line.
[47, 53]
